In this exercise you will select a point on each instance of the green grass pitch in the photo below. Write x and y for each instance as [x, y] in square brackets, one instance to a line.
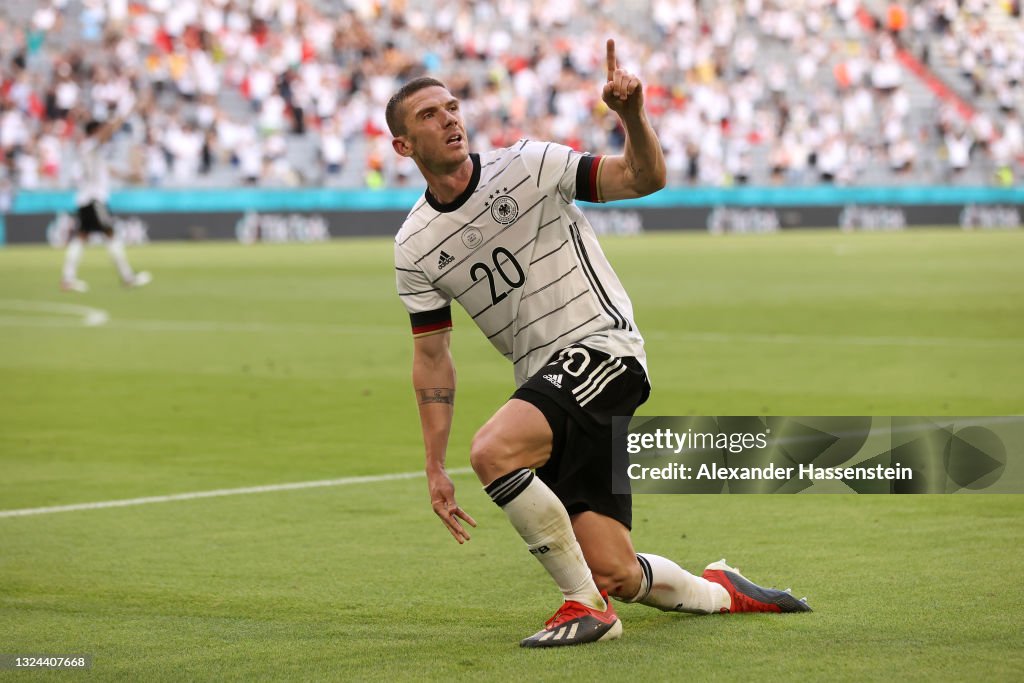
[245, 366]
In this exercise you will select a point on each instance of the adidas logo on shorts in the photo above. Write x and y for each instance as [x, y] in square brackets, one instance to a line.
[444, 259]
[554, 379]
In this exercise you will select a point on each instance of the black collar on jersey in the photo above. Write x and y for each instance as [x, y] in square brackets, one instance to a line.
[462, 198]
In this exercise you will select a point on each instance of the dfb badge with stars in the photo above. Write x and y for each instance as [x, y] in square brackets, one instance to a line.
[503, 208]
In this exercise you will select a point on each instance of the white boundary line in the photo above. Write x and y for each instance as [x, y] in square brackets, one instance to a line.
[218, 493]
[90, 317]
[397, 476]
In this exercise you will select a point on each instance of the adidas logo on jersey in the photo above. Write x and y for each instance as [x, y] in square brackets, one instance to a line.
[444, 259]
[554, 379]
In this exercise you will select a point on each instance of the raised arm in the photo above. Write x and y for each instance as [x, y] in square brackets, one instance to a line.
[109, 127]
[119, 115]
[433, 378]
[640, 169]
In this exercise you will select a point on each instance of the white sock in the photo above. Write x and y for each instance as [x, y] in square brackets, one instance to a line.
[116, 249]
[72, 256]
[541, 519]
[670, 588]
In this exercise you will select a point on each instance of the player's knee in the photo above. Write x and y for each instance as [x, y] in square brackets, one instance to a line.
[493, 453]
[486, 454]
[619, 579]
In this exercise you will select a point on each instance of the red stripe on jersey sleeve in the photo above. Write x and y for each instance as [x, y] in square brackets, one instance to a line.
[431, 328]
[586, 178]
[429, 322]
[595, 167]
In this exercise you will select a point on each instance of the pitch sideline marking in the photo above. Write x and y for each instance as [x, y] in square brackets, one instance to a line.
[218, 493]
[90, 317]
[369, 479]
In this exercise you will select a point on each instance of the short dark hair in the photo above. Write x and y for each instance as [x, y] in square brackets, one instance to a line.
[91, 127]
[394, 115]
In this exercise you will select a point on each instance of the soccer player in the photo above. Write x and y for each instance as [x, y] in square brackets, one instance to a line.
[93, 214]
[500, 233]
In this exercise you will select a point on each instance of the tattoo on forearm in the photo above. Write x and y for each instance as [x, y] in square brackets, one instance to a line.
[436, 395]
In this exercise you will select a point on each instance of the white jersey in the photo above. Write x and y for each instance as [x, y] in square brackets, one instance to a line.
[93, 177]
[517, 253]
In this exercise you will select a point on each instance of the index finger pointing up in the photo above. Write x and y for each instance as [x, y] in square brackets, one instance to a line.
[612, 63]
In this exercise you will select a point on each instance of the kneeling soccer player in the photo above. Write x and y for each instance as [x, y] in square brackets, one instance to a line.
[500, 233]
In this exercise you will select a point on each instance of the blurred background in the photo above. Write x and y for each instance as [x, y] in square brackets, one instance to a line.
[291, 93]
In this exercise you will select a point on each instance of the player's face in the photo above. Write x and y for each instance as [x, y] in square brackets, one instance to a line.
[435, 131]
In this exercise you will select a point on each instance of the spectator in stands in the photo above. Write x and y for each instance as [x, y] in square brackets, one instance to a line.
[958, 149]
[155, 162]
[831, 160]
[902, 155]
[332, 148]
[896, 20]
[250, 156]
[1013, 135]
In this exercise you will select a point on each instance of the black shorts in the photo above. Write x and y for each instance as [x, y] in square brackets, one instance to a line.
[95, 217]
[579, 391]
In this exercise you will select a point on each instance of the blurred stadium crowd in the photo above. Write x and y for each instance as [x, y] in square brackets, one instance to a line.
[292, 92]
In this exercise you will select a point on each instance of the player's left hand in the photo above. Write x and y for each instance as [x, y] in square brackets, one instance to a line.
[623, 92]
[442, 499]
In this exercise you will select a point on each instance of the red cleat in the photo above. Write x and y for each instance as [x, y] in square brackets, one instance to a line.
[748, 596]
[574, 624]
